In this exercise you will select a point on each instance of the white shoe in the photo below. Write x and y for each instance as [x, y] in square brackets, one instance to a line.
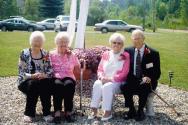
[27, 119]
[91, 117]
[48, 118]
[106, 118]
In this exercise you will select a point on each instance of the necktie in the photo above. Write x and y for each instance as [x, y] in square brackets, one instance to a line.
[138, 65]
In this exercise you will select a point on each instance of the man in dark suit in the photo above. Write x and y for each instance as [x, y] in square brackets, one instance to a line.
[143, 75]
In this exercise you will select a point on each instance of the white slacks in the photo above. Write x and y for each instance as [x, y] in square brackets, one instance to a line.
[105, 92]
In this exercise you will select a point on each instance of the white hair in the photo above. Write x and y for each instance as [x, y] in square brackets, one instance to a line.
[117, 37]
[36, 34]
[138, 32]
[62, 35]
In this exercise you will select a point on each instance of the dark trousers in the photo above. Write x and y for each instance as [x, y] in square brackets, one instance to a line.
[33, 89]
[63, 90]
[134, 88]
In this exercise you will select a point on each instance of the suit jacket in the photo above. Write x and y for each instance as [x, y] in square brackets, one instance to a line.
[150, 66]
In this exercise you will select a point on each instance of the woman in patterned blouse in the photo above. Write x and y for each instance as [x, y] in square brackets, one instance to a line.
[33, 80]
[112, 72]
[64, 62]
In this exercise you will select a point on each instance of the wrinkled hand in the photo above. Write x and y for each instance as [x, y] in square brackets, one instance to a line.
[146, 79]
[105, 80]
[42, 76]
[38, 76]
[35, 76]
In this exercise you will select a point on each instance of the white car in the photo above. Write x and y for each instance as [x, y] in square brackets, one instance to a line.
[115, 25]
[62, 22]
[48, 23]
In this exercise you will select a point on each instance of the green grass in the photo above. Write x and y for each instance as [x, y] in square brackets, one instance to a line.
[173, 48]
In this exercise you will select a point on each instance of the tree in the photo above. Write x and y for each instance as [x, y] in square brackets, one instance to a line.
[184, 11]
[161, 10]
[8, 8]
[31, 9]
[112, 10]
[96, 13]
[132, 11]
[51, 8]
[174, 7]
[67, 5]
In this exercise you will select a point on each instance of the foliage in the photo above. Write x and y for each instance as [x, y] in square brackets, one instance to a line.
[31, 9]
[92, 56]
[161, 10]
[51, 8]
[8, 8]
[132, 11]
[184, 11]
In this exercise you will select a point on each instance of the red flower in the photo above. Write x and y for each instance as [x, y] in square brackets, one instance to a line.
[122, 57]
[68, 51]
[146, 51]
[46, 58]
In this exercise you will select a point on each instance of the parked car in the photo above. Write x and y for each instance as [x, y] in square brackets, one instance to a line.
[62, 22]
[17, 17]
[115, 25]
[19, 24]
[49, 24]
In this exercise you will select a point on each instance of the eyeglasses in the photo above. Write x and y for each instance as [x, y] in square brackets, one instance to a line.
[136, 38]
[118, 43]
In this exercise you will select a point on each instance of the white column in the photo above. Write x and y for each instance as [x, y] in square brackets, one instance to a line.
[80, 35]
[71, 26]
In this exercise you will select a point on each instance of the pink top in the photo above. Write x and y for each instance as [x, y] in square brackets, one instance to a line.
[115, 66]
[63, 66]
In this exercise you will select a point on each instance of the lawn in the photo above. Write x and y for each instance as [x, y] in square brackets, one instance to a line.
[173, 48]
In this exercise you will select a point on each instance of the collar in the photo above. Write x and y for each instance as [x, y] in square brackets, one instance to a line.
[111, 51]
[141, 49]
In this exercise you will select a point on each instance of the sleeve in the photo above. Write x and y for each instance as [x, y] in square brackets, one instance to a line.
[76, 61]
[122, 74]
[22, 68]
[157, 69]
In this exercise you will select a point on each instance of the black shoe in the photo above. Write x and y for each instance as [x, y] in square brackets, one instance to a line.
[57, 120]
[69, 118]
[140, 116]
[131, 114]
[126, 104]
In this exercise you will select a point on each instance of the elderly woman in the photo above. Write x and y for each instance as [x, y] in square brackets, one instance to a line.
[34, 73]
[112, 71]
[64, 62]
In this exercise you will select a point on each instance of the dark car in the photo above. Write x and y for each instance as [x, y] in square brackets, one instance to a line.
[20, 24]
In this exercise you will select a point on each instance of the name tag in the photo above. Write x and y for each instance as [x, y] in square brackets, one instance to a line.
[149, 65]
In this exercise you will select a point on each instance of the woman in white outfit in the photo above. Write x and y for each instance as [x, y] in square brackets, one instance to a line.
[112, 71]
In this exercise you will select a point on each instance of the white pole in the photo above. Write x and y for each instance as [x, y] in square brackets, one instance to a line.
[80, 35]
[72, 22]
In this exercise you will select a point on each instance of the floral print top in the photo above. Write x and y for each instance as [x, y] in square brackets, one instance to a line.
[27, 65]
[63, 66]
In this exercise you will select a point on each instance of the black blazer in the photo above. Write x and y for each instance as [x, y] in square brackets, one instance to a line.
[150, 65]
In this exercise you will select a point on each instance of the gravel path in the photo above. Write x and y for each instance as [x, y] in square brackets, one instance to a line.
[12, 104]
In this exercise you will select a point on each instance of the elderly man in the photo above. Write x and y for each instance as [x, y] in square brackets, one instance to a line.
[143, 76]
